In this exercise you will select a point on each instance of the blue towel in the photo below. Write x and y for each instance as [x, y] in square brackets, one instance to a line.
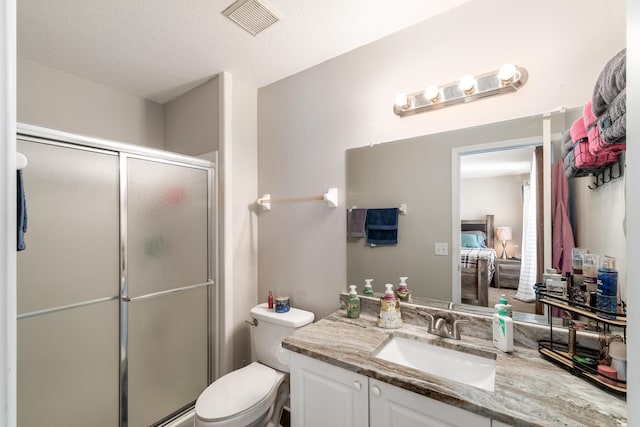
[22, 212]
[382, 226]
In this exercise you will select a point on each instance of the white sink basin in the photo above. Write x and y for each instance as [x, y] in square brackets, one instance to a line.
[453, 365]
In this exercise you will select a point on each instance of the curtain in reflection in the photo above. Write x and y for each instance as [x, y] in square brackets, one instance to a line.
[529, 265]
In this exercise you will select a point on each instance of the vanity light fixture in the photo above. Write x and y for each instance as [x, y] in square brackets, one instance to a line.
[509, 78]
[432, 93]
[402, 101]
[467, 84]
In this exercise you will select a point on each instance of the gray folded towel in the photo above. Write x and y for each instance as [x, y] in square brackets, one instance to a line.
[356, 219]
[569, 165]
[613, 122]
[567, 143]
[612, 80]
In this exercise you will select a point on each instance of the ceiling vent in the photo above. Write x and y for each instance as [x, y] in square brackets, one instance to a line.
[251, 15]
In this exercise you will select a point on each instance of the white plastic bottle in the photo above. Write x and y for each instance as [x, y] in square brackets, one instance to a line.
[504, 303]
[503, 331]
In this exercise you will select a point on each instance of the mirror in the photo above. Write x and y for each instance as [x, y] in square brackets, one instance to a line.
[417, 173]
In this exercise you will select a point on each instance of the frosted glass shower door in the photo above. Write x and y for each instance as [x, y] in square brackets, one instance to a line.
[167, 289]
[68, 288]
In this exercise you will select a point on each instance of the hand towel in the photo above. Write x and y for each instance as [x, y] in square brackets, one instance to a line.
[596, 144]
[22, 212]
[356, 219]
[611, 81]
[382, 226]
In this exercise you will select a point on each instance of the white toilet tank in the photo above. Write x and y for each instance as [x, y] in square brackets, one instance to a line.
[271, 329]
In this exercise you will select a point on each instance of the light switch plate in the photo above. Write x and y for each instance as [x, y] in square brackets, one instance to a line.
[442, 248]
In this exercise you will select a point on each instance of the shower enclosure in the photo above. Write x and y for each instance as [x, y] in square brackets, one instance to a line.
[116, 293]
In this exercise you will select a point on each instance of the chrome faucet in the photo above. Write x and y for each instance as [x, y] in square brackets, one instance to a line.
[438, 326]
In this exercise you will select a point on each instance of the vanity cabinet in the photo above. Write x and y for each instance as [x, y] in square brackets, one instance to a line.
[392, 406]
[326, 395]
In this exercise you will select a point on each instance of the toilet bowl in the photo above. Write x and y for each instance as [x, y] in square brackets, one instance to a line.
[254, 396]
[244, 397]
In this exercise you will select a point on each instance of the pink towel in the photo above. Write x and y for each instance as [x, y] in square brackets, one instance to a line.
[578, 131]
[585, 160]
[596, 144]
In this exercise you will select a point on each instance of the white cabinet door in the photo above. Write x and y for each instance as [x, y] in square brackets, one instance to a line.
[324, 395]
[392, 406]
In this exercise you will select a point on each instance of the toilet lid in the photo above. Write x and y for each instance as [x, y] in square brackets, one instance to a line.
[236, 392]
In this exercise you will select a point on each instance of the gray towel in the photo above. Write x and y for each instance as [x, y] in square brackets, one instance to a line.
[613, 122]
[567, 143]
[356, 219]
[612, 80]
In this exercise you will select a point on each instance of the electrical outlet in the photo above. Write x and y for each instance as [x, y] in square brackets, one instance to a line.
[442, 248]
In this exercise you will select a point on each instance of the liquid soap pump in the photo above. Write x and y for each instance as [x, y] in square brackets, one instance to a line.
[353, 304]
[403, 292]
[389, 317]
[368, 289]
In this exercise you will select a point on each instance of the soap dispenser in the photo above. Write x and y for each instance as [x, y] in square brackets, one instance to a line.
[403, 292]
[504, 303]
[353, 304]
[389, 317]
[368, 289]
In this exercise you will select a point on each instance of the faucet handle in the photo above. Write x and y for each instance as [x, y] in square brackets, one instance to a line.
[429, 317]
[455, 333]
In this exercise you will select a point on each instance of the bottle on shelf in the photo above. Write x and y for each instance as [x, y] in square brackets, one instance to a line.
[607, 288]
[389, 316]
[353, 303]
[368, 289]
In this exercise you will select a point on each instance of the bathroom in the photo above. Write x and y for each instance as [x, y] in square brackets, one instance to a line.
[289, 138]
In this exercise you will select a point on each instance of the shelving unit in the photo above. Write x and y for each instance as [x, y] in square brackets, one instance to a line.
[557, 351]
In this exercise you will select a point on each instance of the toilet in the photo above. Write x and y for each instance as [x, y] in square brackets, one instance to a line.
[254, 395]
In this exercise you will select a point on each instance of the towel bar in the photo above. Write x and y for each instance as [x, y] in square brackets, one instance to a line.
[331, 197]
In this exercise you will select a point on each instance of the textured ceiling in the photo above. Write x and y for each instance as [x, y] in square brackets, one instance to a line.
[159, 49]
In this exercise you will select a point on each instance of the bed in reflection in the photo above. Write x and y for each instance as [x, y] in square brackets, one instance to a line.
[477, 260]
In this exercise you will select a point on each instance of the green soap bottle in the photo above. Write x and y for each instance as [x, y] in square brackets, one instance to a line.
[353, 303]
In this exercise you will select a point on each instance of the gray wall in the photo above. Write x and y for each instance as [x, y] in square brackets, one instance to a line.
[54, 99]
[306, 121]
[191, 120]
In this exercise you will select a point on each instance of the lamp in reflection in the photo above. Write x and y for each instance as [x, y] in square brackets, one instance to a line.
[509, 78]
[504, 234]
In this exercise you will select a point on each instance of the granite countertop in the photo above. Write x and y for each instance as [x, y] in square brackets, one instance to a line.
[528, 389]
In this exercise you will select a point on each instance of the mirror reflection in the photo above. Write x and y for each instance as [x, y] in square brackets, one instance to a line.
[437, 180]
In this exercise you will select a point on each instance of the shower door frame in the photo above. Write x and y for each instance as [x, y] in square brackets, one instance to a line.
[125, 152]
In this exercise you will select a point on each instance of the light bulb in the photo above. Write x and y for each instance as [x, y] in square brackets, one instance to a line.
[432, 93]
[467, 83]
[506, 73]
[402, 101]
